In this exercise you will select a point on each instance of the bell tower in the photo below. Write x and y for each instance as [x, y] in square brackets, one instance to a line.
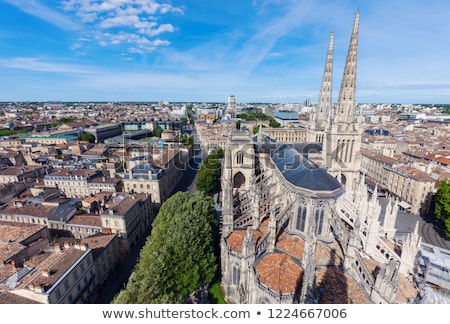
[343, 138]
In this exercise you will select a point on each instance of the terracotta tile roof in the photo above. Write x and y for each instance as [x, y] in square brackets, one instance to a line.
[8, 250]
[17, 232]
[99, 240]
[122, 206]
[6, 271]
[86, 219]
[100, 196]
[236, 239]
[406, 290]
[339, 287]
[72, 173]
[293, 246]
[378, 157]
[280, 273]
[11, 298]
[56, 263]
[31, 209]
[326, 256]
[106, 180]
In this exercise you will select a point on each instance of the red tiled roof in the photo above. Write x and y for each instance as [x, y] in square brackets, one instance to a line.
[293, 246]
[236, 239]
[339, 287]
[280, 273]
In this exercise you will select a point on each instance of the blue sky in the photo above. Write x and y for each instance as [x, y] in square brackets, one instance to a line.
[206, 50]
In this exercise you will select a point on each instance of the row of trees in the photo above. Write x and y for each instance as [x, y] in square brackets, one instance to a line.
[442, 205]
[178, 257]
[208, 178]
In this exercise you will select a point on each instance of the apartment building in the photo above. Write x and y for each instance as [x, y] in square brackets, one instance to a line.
[14, 174]
[129, 216]
[58, 275]
[413, 186]
[156, 174]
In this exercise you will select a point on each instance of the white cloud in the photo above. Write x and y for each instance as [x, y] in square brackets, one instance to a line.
[36, 9]
[40, 65]
[133, 22]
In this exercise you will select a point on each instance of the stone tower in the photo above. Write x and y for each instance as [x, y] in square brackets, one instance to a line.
[343, 139]
[320, 118]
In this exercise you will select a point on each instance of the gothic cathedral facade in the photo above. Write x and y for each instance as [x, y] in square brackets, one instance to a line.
[298, 224]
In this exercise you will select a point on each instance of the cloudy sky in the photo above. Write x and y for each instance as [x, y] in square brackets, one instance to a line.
[206, 50]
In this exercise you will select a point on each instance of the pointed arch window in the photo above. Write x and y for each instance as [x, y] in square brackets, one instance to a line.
[301, 218]
[239, 157]
[318, 217]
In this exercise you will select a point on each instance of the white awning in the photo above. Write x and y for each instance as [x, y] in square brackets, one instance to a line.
[404, 205]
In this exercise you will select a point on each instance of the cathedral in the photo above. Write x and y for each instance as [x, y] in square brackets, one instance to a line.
[298, 224]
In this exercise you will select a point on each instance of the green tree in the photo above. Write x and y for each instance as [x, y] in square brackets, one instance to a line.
[208, 178]
[442, 205]
[157, 131]
[238, 125]
[178, 257]
[61, 121]
[88, 137]
[273, 123]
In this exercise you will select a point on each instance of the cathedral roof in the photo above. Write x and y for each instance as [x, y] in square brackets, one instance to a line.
[292, 245]
[292, 162]
[280, 273]
[236, 239]
[339, 287]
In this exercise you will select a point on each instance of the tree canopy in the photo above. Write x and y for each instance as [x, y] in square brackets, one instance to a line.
[260, 116]
[157, 131]
[88, 137]
[208, 179]
[442, 205]
[178, 257]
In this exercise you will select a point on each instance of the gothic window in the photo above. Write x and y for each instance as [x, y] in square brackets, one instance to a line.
[319, 220]
[236, 275]
[238, 180]
[239, 157]
[301, 218]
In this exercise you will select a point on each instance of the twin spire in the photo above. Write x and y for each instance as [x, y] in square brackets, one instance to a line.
[345, 112]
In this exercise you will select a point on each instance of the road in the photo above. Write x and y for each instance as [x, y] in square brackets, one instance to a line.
[122, 273]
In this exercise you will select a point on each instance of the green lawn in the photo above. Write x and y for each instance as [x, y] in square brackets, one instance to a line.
[216, 294]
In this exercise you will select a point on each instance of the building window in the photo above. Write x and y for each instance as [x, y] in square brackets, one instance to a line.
[319, 220]
[301, 218]
[239, 157]
[236, 275]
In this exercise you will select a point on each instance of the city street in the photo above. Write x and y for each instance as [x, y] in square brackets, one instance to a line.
[187, 183]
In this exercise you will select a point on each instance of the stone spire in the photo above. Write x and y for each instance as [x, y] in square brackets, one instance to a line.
[325, 104]
[346, 102]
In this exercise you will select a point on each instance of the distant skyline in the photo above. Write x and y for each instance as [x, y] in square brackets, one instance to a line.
[204, 51]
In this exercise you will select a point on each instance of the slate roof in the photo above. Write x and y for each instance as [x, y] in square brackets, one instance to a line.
[295, 168]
